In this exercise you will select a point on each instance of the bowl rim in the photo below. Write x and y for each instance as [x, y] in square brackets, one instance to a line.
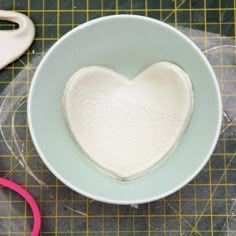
[104, 199]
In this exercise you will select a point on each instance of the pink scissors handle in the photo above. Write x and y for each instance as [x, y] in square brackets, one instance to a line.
[36, 213]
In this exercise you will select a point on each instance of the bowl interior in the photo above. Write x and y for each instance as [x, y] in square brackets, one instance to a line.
[128, 45]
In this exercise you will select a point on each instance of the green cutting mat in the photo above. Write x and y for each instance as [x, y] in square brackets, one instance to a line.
[206, 206]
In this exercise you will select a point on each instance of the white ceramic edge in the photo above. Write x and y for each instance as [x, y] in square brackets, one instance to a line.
[102, 199]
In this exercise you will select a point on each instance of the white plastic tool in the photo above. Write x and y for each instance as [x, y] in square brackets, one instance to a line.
[13, 43]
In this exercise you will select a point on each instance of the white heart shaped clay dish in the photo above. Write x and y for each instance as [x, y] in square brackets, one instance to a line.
[126, 127]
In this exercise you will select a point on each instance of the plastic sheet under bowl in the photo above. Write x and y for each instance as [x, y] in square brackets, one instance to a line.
[126, 44]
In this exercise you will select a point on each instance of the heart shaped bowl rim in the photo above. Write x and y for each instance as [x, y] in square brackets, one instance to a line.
[127, 44]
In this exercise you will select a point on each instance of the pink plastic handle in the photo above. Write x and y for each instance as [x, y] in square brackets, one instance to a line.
[36, 213]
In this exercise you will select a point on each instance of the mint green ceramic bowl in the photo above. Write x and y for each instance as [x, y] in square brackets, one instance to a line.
[128, 45]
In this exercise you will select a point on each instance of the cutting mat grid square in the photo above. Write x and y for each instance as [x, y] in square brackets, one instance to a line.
[206, 206]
